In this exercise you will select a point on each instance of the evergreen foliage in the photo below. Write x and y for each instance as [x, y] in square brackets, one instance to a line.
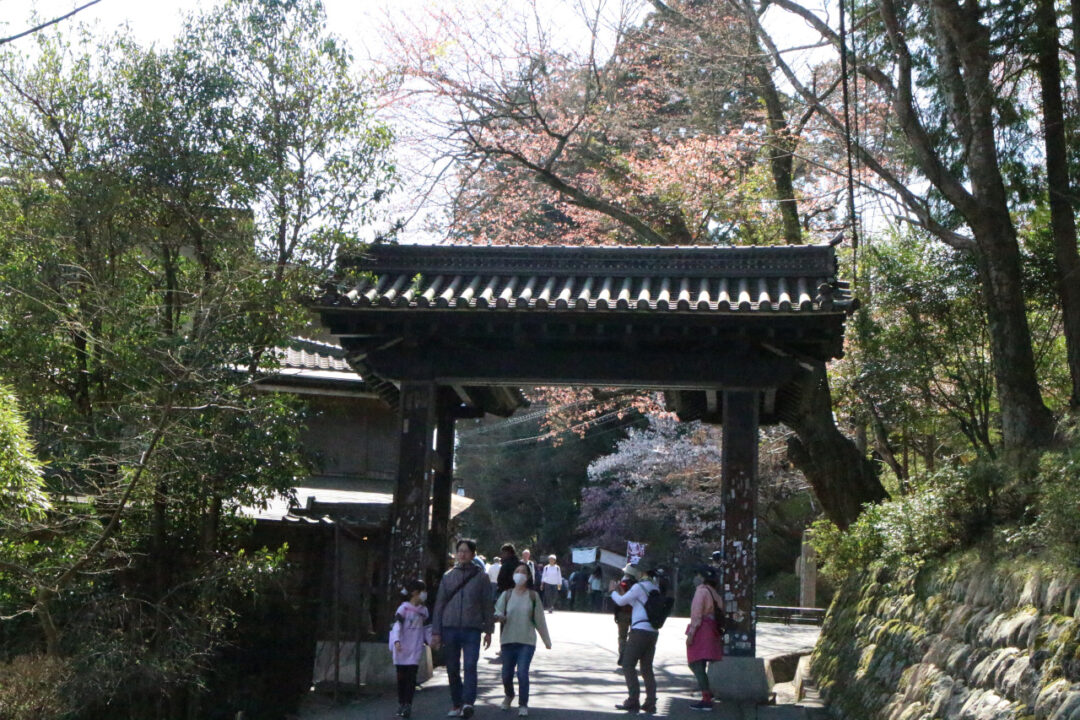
[161, 213]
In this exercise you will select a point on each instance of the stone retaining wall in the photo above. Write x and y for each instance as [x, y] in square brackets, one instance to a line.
[964, 640]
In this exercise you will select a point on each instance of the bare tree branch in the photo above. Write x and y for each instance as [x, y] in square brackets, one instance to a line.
[914, 203]
[42, 26]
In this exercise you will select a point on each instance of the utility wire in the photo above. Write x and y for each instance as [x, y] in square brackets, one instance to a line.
[517, 419]
[538, 446]
[852, 218]
[543, 436]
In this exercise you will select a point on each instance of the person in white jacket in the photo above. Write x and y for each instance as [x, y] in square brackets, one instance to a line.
[640, 643]
[551, 580]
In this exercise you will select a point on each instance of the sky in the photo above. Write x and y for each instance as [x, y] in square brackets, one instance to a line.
[360, 24]
[158, 21]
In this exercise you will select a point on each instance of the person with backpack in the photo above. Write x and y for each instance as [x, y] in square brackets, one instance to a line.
[705, 634]
[522, 614]
[463, 611]
[650, 609]
[408, 635]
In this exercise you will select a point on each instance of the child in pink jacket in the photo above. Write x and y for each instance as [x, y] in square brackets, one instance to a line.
[408, 635]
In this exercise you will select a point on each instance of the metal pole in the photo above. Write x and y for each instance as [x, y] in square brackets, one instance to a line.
[362, 561]
[337, 608]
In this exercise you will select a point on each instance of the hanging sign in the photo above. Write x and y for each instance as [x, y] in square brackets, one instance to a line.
[634, 552]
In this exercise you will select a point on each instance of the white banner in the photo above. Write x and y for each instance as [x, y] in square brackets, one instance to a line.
[612, 559]
[583, 555]
[634, 552]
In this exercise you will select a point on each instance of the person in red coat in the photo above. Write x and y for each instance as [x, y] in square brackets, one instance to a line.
[705, 634]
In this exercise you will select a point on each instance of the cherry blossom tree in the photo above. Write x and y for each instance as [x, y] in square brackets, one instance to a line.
[662, 478]
[664, 129]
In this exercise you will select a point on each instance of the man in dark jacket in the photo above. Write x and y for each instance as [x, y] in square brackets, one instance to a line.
[509, 565]
[463, 610]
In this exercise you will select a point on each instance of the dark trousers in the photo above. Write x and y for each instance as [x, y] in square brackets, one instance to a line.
[519, 655]
[640, 647]
[406, 683]
[458, 642]
[551, 594]
[622, 622]
[597, 599]
[700, 668]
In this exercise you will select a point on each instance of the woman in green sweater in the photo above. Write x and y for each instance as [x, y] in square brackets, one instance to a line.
[522, 613]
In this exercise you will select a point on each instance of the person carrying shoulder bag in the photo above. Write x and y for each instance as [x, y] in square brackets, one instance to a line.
[522, 613]
[462, 612]
[705, 634]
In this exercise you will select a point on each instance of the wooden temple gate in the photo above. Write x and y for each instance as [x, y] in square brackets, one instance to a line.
[727, 333]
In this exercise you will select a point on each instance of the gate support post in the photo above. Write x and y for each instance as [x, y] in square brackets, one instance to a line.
[438, 542]
[412, 494]
[741, 676]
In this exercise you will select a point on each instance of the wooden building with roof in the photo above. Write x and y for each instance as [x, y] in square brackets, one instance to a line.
[337, 521]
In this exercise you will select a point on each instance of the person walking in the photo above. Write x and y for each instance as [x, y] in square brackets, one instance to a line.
[506, 573]
[640, 642]
[462, 612]
[534, 578]
[408, 635]
[705, 635]
[596, 588]
[579, 590]
[522, 615]
[552, 581]
[493, 571]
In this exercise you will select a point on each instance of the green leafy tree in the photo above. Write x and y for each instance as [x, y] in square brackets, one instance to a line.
[145, 284]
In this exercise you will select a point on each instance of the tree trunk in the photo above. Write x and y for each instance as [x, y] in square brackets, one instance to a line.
[1074, 8]
[1062, 222]
[1025, 420]
[843, 478]
[781, 152]
[965, 66]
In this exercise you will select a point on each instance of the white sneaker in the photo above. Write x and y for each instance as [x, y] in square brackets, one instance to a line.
[454, 712]
[523, 711]
[507, 702]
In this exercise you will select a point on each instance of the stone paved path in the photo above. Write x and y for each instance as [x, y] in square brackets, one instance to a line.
[577, 679]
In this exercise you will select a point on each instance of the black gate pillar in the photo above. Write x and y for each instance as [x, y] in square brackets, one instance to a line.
[412, 494]
[738, 483]
[742, 676]
[442, 488]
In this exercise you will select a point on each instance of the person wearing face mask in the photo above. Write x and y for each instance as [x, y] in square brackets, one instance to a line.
[408, 635]
[705, 634]
[522, 614]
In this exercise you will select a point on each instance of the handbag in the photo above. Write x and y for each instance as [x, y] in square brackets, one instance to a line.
[718, 612]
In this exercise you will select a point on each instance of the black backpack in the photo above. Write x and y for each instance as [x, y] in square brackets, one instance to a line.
[657, 607]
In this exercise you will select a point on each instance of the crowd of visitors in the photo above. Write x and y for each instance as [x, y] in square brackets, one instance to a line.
[472, 597]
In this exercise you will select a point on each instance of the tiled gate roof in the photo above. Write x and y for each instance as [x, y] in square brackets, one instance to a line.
[781, 279]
